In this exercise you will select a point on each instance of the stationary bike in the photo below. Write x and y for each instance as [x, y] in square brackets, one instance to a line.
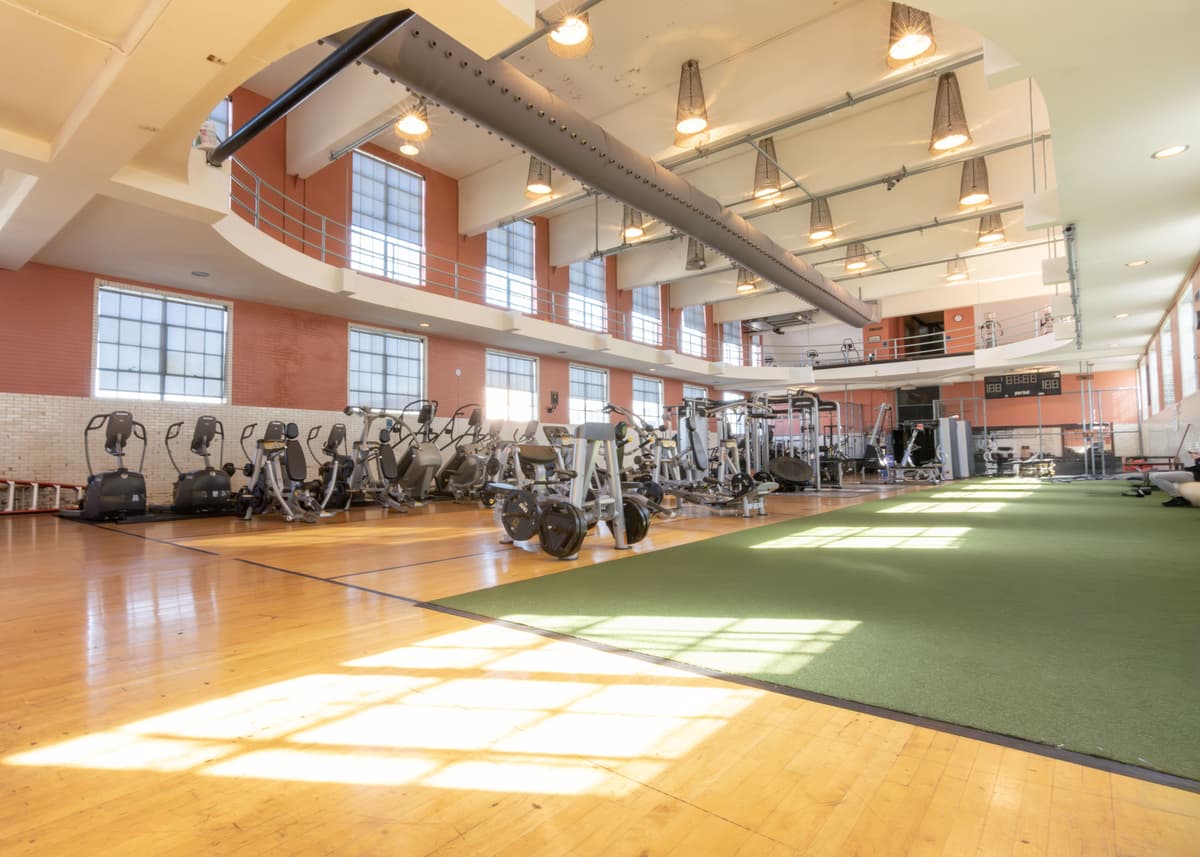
[114, 494]
[207, 489]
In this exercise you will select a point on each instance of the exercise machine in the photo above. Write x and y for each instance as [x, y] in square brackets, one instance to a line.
[374, 470]
[422, 459]
[278, 476]
[208, 489]
[332, 487]
[114, 494]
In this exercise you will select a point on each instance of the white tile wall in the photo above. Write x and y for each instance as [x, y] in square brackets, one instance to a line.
[41, 437]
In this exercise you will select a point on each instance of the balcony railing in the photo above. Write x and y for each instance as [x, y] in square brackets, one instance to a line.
[273, 212]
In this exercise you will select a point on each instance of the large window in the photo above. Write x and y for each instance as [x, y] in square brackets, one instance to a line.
[1187, 344]
[511, 387]
[587, 304]
[648, 399]
[691, 330]
[510, 275]
[151, 346]
[1152, 365]
[756, 351]
[589, 395]
[1167, 347]
[692, 392]
[731, 343]
[387, 370]
[647, 315]
[387, 214]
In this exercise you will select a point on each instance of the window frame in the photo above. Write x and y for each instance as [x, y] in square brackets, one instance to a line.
[584, 309]
[703, 390]
[1166, 349]
[602, 417]
[351, 328]
[1185, 318]
[636, 318]
[508, 277]
[389, 269]
[100, 284]
[689, 335]
[731, 349]
[536, 385]
[659, 418]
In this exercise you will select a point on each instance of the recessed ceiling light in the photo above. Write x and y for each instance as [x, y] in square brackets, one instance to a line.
[422, 324]
[1169, 152]
[1136, 263]
[1121, 315]
[199, 273]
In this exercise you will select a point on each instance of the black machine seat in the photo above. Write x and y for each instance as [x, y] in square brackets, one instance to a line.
[117, 429]
[476, 418]
[274, 430]
[389, 468]
[536, 454]
[203, 434]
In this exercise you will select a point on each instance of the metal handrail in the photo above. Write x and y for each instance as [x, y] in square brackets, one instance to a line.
[270, 210]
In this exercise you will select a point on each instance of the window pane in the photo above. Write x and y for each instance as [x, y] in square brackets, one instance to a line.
[511, 387]
[387, 370]
[386, 219]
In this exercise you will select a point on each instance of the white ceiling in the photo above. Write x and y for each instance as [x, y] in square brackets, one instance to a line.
[1115, 87]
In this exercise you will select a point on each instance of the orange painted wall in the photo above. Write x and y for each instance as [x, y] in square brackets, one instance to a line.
[961, 333]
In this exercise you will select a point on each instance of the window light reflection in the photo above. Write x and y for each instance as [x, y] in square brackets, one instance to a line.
[910, 538]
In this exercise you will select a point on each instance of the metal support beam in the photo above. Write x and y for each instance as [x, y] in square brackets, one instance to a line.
[371, 34]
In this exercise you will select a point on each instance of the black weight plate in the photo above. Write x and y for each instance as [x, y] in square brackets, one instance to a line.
[487, 498]
[637, 519]
[493, 467]
[652, 491]
[519, 515]
[562, 529]
[741, 484]
[260, 499]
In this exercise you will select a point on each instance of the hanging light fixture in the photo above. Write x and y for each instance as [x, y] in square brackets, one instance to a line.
[695, 256]
[856, 256]
[631, 224]
[911, 36]
[571, 37]
[820, 221]
[991, 229]
[950, 128]
[973, 189]
[691, 113]
[409, 148]
[766, 170]
[413, 124]
[537, 182]
[956, 270]
[746, 281]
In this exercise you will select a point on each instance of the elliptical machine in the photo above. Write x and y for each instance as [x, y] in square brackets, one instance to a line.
[114, 494]
[463, 472]
[207, 489]
[421, 461]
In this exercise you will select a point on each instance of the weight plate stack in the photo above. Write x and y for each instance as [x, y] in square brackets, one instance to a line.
[562, 529]
[519, 514]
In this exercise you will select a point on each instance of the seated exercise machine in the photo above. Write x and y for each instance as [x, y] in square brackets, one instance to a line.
[997, 459]
[278, 476]
[422, 459]
[207, 489]
[332, 487]
[114, 494]
[463, 473]
[374, 473]
[908, 470]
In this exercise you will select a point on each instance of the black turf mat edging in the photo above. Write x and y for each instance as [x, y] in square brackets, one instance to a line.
[1096, 762]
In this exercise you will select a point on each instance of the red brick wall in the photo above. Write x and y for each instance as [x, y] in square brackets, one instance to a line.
[46, 331]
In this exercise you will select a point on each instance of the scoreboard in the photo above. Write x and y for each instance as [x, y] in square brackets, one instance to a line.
[1020, 384]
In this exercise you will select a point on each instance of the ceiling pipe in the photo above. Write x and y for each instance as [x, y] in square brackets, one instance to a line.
[371, 34]
[499, 98]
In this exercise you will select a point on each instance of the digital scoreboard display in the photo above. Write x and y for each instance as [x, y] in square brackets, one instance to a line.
[1020, 384]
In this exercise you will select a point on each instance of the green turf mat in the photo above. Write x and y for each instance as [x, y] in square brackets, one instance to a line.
[1064, 614]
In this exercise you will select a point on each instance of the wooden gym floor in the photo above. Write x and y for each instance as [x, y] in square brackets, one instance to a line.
[216, 687]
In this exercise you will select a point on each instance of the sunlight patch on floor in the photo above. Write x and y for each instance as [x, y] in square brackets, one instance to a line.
[390, 719]
[950, 508]
[905, 538]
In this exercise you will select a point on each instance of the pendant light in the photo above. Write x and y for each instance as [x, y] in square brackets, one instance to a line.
[973, 189]
[747, 282]
[408, 148]
[991, 229]
[571, 37]
[695, 256]
[950, 128]
[856, 256]
[766, 170]
[911, 36]
[691, 113]
[413, 124]
[957, 271]
[820, 221]
[537, 182]
[631, 224]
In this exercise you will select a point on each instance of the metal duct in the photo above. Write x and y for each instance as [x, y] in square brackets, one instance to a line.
[500, 98]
